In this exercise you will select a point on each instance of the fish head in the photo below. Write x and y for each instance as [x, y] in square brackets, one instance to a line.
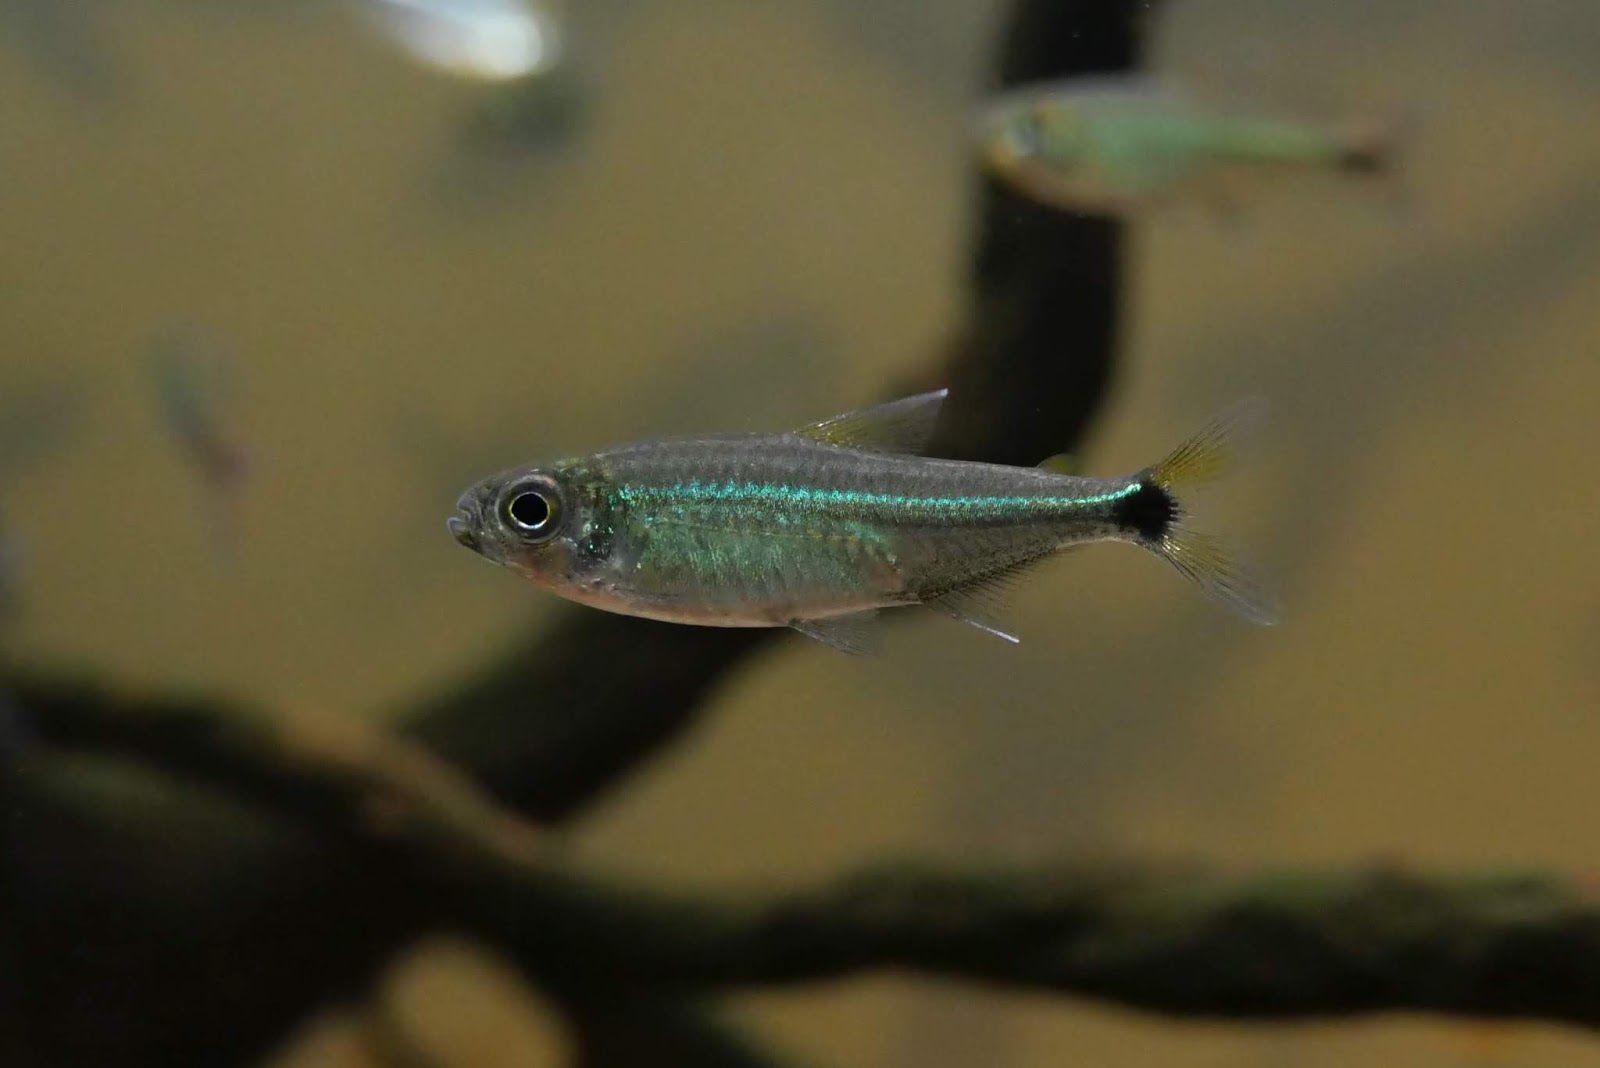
[529, 519]
[1016, 133]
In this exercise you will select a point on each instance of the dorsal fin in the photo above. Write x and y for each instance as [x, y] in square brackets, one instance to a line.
[1062, 463]
[903, 425]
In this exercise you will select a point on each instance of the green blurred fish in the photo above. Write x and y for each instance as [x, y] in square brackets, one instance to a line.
[1113, 145]
[819, 528]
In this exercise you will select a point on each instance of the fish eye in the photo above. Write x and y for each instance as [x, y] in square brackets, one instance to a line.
[532, 509]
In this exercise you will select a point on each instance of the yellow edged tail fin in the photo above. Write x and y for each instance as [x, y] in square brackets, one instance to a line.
[1207, 455]
[1206, 560]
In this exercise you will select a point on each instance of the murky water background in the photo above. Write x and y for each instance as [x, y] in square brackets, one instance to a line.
[761, 219]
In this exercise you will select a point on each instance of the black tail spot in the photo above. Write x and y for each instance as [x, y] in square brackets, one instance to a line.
[1149, 511]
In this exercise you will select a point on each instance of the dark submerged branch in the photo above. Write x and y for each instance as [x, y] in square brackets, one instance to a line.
[333, 776]
[568, 711]
[1177, 939]
[662, 1032]
[146, 918]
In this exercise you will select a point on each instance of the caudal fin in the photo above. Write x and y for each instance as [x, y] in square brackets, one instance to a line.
[1206, 560]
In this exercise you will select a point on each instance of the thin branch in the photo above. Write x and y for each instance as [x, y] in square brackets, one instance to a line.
[1175, 939]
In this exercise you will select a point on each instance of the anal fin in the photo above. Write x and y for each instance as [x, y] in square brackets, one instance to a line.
[982, 601]
[964, 608]
[855, 633]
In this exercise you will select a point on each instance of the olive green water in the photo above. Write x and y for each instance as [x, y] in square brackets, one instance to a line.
[762, 221]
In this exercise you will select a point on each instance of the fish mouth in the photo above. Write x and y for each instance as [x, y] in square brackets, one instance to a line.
[461, 529]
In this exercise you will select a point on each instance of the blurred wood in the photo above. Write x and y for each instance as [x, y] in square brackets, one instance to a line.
[147, 919]
[338, 775]
[1178, 939]
[569, 710]
[661, 1032]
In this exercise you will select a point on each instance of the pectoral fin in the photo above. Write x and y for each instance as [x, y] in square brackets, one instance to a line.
[903, 425]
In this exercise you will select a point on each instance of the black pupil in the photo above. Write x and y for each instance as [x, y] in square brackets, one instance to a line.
[529, 510]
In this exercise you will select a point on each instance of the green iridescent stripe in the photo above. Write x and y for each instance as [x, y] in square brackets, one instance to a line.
[768, 493]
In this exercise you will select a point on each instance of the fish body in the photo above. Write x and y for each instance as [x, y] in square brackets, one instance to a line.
[824, 524]
[1116, 145]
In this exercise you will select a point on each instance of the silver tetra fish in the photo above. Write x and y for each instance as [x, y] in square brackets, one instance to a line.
[819, 528]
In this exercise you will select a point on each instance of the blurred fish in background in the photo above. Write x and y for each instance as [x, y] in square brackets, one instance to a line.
[490, 40]
[192, 374]
[1118, 144]
[519, 50]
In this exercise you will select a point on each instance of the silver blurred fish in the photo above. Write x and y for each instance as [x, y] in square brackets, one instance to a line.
[819, 528]
[491, 40]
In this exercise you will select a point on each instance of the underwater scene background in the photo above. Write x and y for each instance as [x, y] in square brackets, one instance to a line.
[752, 215]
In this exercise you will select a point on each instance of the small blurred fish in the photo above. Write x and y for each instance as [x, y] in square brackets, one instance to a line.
[1113, 145]
[189, 371]
[818, 528]
[490, 40]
